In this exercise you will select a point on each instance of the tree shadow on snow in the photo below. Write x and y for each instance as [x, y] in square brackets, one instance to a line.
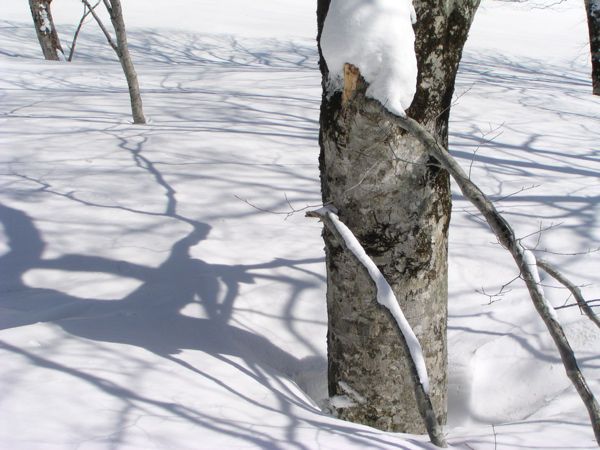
[151, 317]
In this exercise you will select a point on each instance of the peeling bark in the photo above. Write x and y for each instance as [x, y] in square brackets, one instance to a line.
[396, 200]
[45, 30]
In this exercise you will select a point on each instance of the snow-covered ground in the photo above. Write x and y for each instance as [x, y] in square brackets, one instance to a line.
[145, 304]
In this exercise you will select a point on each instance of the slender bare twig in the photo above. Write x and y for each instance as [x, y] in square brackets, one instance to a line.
[572, 305]
[584, 306]
[86, 12]
[292, 209]
[552, 252]
[523, 189]
[102, 27]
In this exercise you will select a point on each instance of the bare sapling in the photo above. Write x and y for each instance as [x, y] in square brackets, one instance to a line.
[121, 49]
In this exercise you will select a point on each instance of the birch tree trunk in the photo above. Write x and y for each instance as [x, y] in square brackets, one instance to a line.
[396, 201]
[45, 30]
[116, 16]
[592, 8]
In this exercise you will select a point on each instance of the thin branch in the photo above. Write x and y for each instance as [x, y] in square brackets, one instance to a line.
[501, 292]
[523, 189]
[293, 210]
[572, 305]
[86, 12]
[539, 232]
[575, 291]
[587, 252]
[486, 141]
[102, 27]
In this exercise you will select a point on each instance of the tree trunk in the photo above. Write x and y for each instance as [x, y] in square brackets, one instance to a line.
[592, 8]
[396, 201]
[116, 16]
[45, 30]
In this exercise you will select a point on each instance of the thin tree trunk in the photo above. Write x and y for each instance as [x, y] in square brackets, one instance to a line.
[86, 12]
[45, 30]
[116, 17]
[592, 8]
[396, 200]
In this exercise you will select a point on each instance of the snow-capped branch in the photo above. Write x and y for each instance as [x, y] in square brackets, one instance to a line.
[387, 298]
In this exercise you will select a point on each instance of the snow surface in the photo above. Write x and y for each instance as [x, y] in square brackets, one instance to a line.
[385, 295]
[377, 37]
[142, 305]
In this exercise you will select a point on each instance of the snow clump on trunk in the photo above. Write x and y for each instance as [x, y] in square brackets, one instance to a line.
[377, 37]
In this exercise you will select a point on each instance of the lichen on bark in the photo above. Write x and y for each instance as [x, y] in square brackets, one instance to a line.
[396, 201]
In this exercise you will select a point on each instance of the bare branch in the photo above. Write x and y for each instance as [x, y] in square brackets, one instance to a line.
[572, 305]
[86, 12]
[523, 189]
[501, 292]
[525, 260]
[293, 210]
[102, 27]
[575, 291]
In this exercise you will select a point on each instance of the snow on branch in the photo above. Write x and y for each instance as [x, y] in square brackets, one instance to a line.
[387, 298]
[385, 294]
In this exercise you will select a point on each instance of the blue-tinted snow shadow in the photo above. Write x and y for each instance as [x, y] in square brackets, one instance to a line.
[151, 316]
[498, 159]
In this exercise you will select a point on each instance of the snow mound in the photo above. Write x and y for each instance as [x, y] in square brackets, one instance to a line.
[377, 37]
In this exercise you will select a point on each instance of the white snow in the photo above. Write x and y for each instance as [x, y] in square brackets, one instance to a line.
[142, 305]
[377, 37]
[531, 262]
[385, 295]
[46, 26]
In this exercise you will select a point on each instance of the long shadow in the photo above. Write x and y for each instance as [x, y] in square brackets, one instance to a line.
[151, 317]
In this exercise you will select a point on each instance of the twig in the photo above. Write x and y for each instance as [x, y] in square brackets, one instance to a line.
[288, 214]
[575, 291]
[86, 12]
[501, 292]
[102, 27]
[523, 189]
[572, 305]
